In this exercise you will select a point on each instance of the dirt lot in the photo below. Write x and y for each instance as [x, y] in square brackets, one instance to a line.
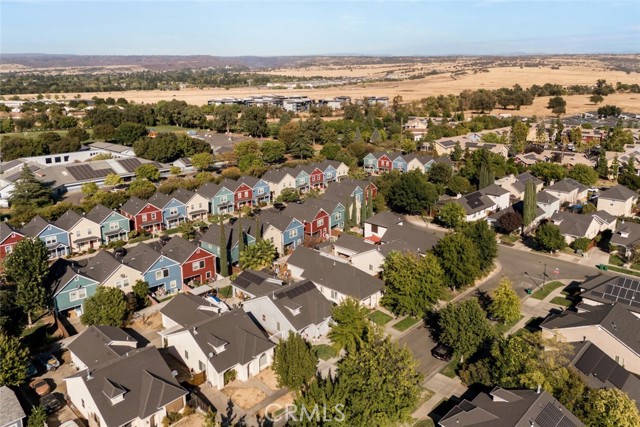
[268, 377]
[278, 404]
[148, 323]
[245, 397]
[194, 420]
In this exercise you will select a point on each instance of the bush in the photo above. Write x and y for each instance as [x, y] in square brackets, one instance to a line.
[581, 244]
[230, 376]
[171, 418]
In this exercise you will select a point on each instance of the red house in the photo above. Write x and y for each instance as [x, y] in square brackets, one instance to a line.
[8, 239]
[371, 189]
[384, 163]
[316, 176]
[316, 220]
[196, 264]
[144, 215]
[242, 193]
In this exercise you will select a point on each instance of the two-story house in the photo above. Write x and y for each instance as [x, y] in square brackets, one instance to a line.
[197, 205]
[55, 238]
[568, 191]
[278, 180]
[316, 220]
[260, 190]
[336, 211]
[242, 193]
[211, 242]
[617, 201]
[173, 210]
[8, 239]
[159, 271]
[108, 271]
[84, 234]
[316, 176]
[145, 215]
[196, 263]
[69, 287]
[113, 225]
[221, 199]
[284, 232]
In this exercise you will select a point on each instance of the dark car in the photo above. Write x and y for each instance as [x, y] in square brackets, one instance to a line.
[232, 220]
[164, 239]
[31, 370]
[120, 251]
[442, 352]
[279, 206]
[50, 403]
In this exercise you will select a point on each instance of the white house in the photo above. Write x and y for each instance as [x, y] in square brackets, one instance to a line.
[617, 201]
[278, 180]
[568, 191]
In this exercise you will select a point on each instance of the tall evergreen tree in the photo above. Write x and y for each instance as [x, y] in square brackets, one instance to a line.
[631, 166]
[530, 203]
[483, 177]
[615, 167]
[29, 193]
[224, 258]
[602, 166]
[294, 362]
[370, 203]
[363, 210]
[347, 215]
[240, 235]
[354, 213]
[258, 233]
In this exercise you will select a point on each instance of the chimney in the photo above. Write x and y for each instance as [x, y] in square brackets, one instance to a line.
[195, 330]
[538, 391]
[89, 377]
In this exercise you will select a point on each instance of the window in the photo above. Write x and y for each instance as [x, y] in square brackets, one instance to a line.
[293, 233]
[186, 354]
[374, 228]
[77, 233]
[66, 158]
[223, 199]
[199, 205]
[338, 216]
[8, 249]
[114, 226]
[320, 222]
[278, 326]
[260, 190]
[370, 267]
[264, 317]
[162, 273]
[153, 215]
[144, 217]
[48, 160]
[173, 211]
[246, 194]
[198, 265]
[334, 295]
[88, 232]
[76, 295]
[208, 275]
[50, 240]
[192, 206]
[173, 284]
[122, 283]
[201, 365]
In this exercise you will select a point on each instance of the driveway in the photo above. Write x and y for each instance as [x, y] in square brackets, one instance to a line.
[420, 344]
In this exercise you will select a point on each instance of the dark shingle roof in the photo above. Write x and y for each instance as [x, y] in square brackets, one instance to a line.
[144, 376]
[60, 273]
[141, 257]
[302, 212]
[99, 213]
[613, 289]
[407, 237]
[277, 175]
[133, 206]
[354, 243]
[159, 200]
[178, 249]
[35, 226]
[630, 229]
[567, 185]
[100, 267]
[619, 192]
[474, 202]
[304, 298]
[11, 408]
[68, 220]
[326, 272]
[5, 231]
[385, 219]
[510, 408]
[183, 195]
[257, 283]
[544, 197]
[279, 220]
[96, 345]
[185, 310]
[208, 190]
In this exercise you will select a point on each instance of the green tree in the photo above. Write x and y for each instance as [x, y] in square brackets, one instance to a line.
[482, 100]
[458, 184]
[602, 166]
[596, 99]
[413, 284]
[241, 235]
[224, 256]
[588, 208]
[464, 327]
[505, 304]
[557, 105]
[201, 160]
[484, 239]
[273, 151]
[584, 174]
[549, 171]
[294, 362]
[29, 193]
[148, 171]
[141, 188]
[38, 417]
[113, 179]
[484, 177]
[302, 147]
[108, 307]
[411, 193]
[459, 259]
[349, 325]
[27, 267]
[330, 151]
[175, 170]
[518, 137]
[510, 222]
[78, 134]
[452, 215]
[258, 256]
[128, 133]
[348, 221]
[89, 189]
[15, 361]
[610, 407]
[581, 244]
[456, 154]
[141, 291]
[103, 132]
[254, 122]
[289, 195]
[440, 173]
[549, 237]
[530, 203]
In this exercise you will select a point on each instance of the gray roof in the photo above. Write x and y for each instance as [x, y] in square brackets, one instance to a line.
[341, 191]
[183, 195]
[631, 229]
[68, 220]
[613, 289]
[408, 237]
[510, 408]
[385, 219]
[251, 181]
[11, 408]
[179, 249]
[230, 184]
[305, 299]
[35, 226]
[244, 340]
[567, 185]
[134, 205]
[5, 231]
[544, 197]
[60, 273]
[96, 345]
[141, 257]
[526, 177]
[208, 190]
[100, 267]
[99, 213]
[619, 192]
[143, 376]
[474, 202]
[601, 371]
[257, 283]
[326, 204]
[353, 243]
[275, 218]
[616, 319]
[338, 276]
[159, 200]
[573, 224]
[302, 212]
[493, 190]
[517, 207]
[185, 310]
[212, 236]
[277, 175]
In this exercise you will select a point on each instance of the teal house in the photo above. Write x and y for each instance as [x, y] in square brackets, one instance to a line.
[221, 199]
[69, 288]
[302, 178]
[113, 225]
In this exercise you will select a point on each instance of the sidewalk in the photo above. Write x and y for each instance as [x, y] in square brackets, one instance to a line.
[531, 308]
[592, 258]
[443, 387]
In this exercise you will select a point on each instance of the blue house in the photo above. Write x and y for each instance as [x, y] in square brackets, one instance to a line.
[68, 287]
[370, 163]
[173, 210]
[220, 197]
[161, 273]
[302, 178]
[330, 173]
[56, 239]
[211, 242]
[399, 162]
[113, 225]
[261, 190]
[283, 231]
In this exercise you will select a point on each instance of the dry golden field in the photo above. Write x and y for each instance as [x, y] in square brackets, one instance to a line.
[441, 84]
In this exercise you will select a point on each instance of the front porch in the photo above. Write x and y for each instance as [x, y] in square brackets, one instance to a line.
[174, 221]
[115, 235]
[199, 215]
[81, 245]
[58, 251]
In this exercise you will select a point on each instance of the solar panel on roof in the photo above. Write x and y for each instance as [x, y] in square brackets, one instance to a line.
[550, 416]
[566, 422]
[130, 165]
[84, 172]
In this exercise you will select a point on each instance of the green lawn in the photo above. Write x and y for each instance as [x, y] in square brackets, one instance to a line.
[166, 129]
[616, 260]
[509, 238]
[561, 301]
[501, 328]
[325, 351]
[542, 293]
[624, 270]
[171, 231]
[427, 422]
[33, 134]
[225, 292]
[405, 323]
[379, 317]
[451, 369]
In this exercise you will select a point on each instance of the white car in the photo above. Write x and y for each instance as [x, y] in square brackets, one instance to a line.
[70, 423]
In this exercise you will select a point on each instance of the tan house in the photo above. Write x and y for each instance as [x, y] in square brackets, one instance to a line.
[84, 234]
[568, 191]
[108, 271]
[278, 180]
[575, 226]
[617, 201]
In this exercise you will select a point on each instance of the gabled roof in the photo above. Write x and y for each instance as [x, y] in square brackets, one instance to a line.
[61, 272]
[619, 192]
[68, 219]
[354, 243]
[134, 205]
[183, 195]
[546, 198]
[243, 341]
[303, 212]
[277, 219]
[302, 304]
[613, 289]
[209, 190]
[573, 224]
[212, 236]
[160, 200]
[6, 231]
[408, 237]
[385, 219]
[567, 185]
[475, 202]
[11, 408]
[510, 408]
[179, 249]
[343, 190]
[328, 205]
[34, 227]
[616, 319]
[99, 344]
[629, 229]
[277, 175]
[187, 309]
[601, 371]
[257, 283]
[100, 267]
[251, 181]
[230, 184]
[526, 177]
[141, 257]
[493, 190]
[338, 276]
[99, 213]
[147, 382]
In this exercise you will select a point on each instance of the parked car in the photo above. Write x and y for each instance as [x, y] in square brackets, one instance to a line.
[164, 240]
[49, 361]
[442, 352]
[31, 370]
[50, 403]
[41, 387]
[279, 206]
[120, 251]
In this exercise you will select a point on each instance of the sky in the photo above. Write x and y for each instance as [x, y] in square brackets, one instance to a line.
[314, 27]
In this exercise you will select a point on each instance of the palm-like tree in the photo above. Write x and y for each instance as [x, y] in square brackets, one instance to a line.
[258, 256]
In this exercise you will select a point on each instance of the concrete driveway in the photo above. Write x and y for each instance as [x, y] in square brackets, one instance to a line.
[420, 344]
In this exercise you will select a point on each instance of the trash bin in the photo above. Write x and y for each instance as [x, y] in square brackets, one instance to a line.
[605, 267]
[529, 291]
